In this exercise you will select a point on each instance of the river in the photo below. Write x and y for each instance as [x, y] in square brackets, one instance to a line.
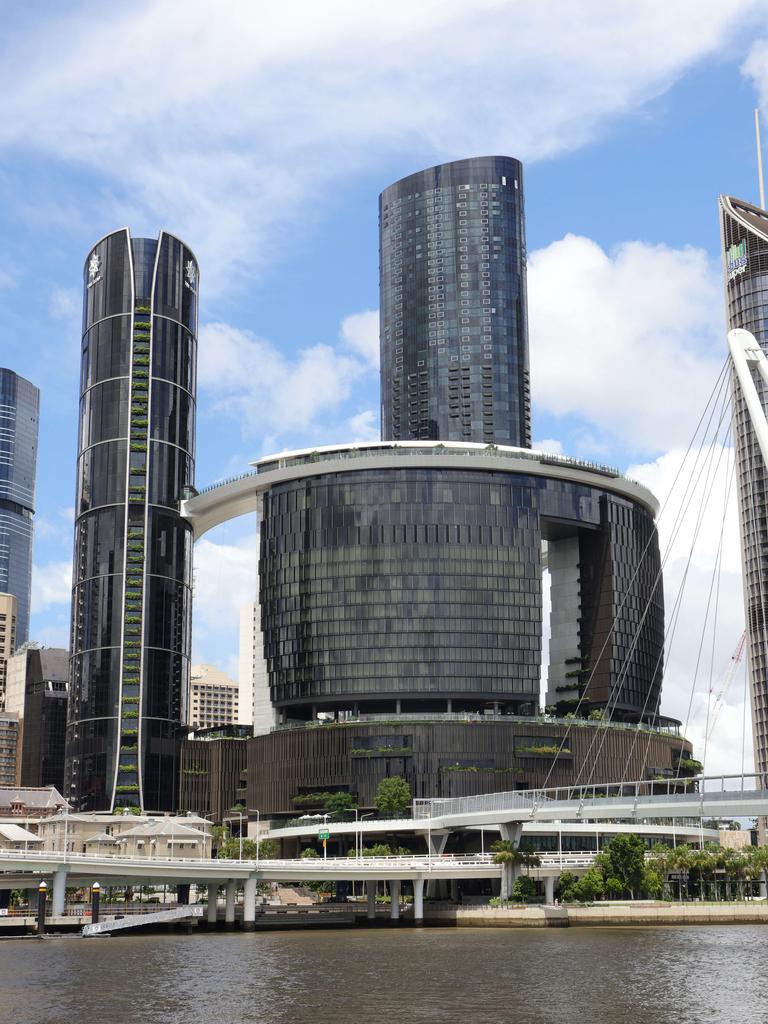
[581, 976]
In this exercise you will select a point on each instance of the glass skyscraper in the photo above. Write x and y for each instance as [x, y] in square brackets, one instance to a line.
[454, 333]
[744, 231]
[131, 603]
[19, 420]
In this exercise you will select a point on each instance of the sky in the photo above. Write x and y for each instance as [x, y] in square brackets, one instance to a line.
[262, 135]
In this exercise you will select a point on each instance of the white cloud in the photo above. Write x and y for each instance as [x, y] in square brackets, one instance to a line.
[225, 578]
[629, 342]
[229, 127]
[712, 645]
[66, 304]
[363, 427]
[270, 393]
[549, 445]
[361, 332]
[51, 585]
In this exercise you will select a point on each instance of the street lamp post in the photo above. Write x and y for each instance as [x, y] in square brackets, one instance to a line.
[254, 810]
[42, 892]
[95, 894]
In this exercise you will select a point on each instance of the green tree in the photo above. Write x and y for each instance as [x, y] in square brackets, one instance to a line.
[339, 802]
[524, 890]
[309, 853]
[624, 860]
[590, 886]
[393, 795]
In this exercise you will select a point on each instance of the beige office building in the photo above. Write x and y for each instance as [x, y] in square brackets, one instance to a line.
[213, 698]
[255, 705]
[8, 609]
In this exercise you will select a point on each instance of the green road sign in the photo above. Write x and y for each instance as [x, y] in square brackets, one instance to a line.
[323, 835]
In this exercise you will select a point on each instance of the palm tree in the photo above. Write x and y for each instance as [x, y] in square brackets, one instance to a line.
[680, 860]
[506, 854]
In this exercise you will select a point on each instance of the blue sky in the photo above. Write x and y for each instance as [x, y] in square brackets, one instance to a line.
[263, 138]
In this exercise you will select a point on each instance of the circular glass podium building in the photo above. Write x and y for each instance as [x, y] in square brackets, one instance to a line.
[401, 582]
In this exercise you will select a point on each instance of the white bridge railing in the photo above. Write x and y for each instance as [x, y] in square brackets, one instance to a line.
[686, 791]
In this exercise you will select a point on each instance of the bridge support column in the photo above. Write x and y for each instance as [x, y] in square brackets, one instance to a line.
[249, 904]
[549, 889]
[182, 894]
[418, 900]
[394, 893]
[32, 897]
[213, 897]
[436, 843]
[511, 831]
[229, 909]
[59, 892]
[370, 891]
[5, 899]
[763, 884]
[454, 890]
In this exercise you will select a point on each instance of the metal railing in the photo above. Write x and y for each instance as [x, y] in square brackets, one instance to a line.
[698, 786]
[469, 716]
[446, 450]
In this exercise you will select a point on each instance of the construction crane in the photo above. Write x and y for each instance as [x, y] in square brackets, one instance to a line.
[736, 657]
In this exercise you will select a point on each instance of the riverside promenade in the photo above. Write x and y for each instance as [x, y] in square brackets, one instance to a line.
[640, 913]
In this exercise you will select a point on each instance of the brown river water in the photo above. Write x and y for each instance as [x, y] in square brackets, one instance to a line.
[690, 975]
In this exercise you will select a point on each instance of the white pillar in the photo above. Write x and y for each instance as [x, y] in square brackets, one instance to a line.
[394, 892]
[213, 895]
[59, 892]
[370, 889]
[229, 911]
[511, 831]
[549, 888]
[763, 885]
[418, 899]
[436, 843]
[249, 901]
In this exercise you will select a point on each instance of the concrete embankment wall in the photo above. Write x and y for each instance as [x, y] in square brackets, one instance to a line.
[601, 915]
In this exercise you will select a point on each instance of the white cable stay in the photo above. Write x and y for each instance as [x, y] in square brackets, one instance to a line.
[747, 356]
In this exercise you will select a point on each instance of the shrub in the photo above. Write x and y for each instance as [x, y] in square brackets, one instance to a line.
[393, 795]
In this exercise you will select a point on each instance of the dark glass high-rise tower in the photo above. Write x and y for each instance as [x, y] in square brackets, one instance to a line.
[131, 604]
[19, 420]
[454, 332]
[745, 257]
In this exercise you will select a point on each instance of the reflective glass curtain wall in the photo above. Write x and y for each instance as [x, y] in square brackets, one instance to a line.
[404, 585]
[453, 332]
[19, 421]
[131, 609]
[745, 256]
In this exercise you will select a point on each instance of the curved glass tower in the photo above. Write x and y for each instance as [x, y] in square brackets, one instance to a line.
[744, 231]
[19, 420]
[454, 331]
[131, 602]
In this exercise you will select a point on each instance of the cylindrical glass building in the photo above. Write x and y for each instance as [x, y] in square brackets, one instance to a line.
[131, 605]
[454, 331]
[19, 421]
[745, 259]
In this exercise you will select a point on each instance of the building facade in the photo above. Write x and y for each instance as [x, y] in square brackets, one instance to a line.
[8, 606]
[407, 577]
[9, 746]
[131, 603]
[38, 693]
[454, 332]
[19, 422]
[255, 704]
[744, 232]
[213, 698]
[441, 755]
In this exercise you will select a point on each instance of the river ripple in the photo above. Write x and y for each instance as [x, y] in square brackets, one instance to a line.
[686, 975]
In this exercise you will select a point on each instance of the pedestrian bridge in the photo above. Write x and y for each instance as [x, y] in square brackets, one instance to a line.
[717, 796]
